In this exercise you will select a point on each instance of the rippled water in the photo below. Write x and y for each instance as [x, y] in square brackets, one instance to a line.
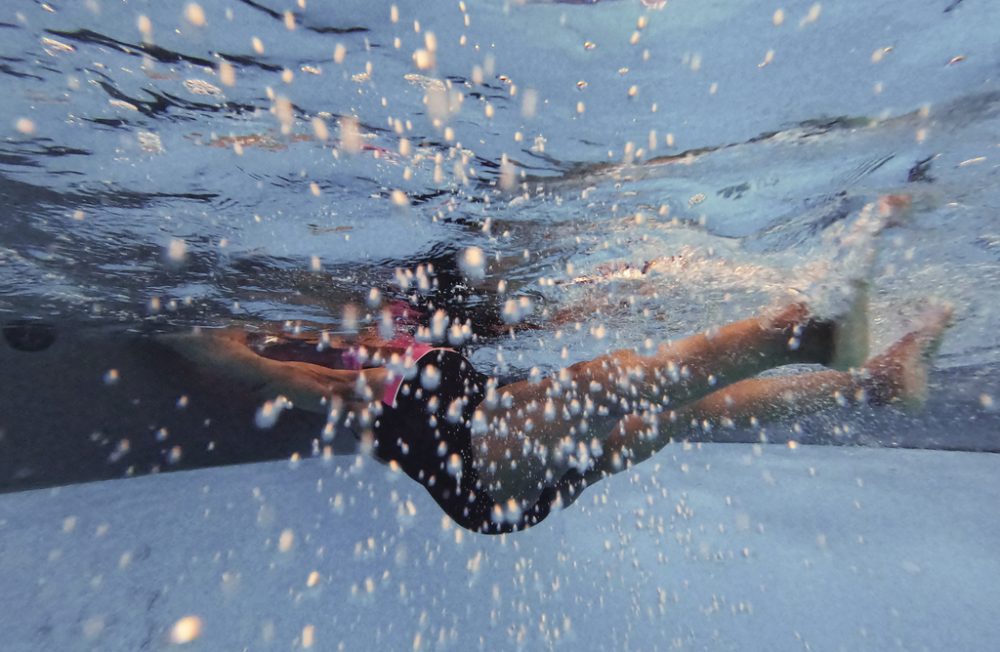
[271, 160]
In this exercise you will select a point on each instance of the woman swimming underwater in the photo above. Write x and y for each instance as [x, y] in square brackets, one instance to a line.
[499, 458]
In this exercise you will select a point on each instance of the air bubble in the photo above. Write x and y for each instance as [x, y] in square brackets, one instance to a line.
[472, 262]
[430, 378]
[185, 630]
[195, 14]
[268, 413]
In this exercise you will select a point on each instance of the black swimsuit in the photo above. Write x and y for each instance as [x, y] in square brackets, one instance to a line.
[432, 443]
[428, 432]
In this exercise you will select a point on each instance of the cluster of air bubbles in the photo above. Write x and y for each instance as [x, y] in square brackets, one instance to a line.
[439, 325]
[459, 334]
[479, 425]
[402, 366]
[422, 278]
[517, 310]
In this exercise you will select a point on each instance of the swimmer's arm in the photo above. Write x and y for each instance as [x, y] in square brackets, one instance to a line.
[315, 388]
[225, 355]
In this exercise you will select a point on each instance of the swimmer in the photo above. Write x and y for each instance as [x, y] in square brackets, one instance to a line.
[499, 458]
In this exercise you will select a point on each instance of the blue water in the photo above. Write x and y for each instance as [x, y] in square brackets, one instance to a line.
[634, 174]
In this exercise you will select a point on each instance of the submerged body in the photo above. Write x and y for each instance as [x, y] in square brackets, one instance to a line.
[499, 458]
[496, 458]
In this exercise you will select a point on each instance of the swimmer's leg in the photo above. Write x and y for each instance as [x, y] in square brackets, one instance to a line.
[695, 366]
[691, 368]
[897, 376]
[611, 386]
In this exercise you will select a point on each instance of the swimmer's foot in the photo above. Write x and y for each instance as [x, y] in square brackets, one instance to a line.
[850, 330]
[900, 374]
[843, 306]
[839, 341]
[894, 209]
